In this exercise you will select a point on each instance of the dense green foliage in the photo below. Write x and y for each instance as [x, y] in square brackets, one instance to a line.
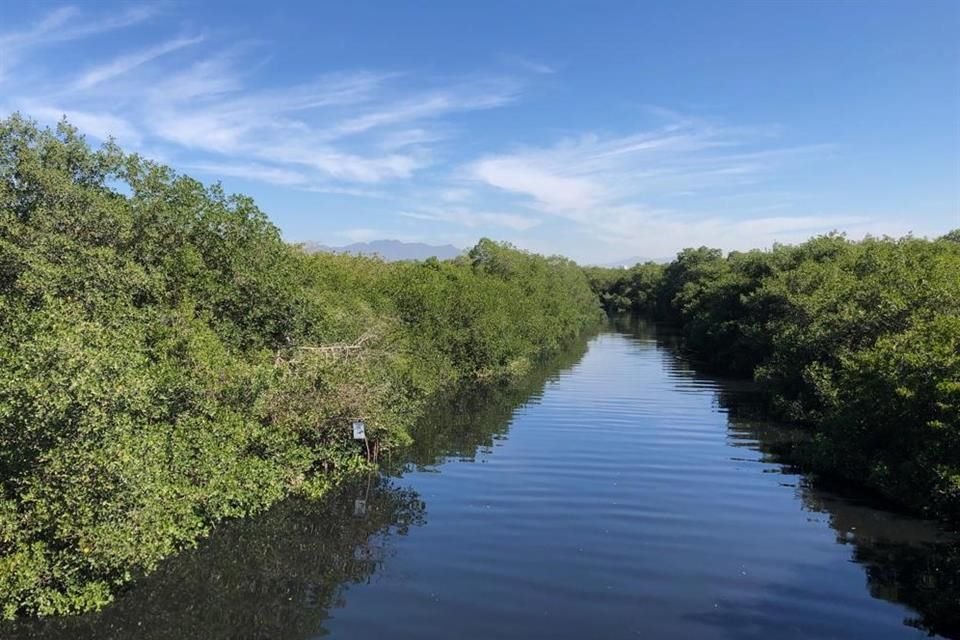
[279, 573]
[627, 290]
[167, 361]
[859, 340]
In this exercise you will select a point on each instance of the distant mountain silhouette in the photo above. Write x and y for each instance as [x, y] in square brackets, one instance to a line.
[634, 260]
[391, 250]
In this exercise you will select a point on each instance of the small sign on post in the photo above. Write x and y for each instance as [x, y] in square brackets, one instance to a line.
[359, 507]
[359, 430]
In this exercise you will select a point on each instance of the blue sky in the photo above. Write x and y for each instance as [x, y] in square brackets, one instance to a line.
[599, 130]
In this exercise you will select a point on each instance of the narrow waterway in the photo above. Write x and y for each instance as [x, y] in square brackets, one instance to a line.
[618, 494]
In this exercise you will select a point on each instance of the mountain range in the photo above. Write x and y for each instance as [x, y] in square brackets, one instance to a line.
[390, 250]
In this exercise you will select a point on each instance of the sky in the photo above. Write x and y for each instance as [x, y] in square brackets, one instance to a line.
[598, 130]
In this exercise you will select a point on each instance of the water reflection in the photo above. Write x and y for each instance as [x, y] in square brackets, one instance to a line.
[469, 422]
[906, 560]
[272, 576]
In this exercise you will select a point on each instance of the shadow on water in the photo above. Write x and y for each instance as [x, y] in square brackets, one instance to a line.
[278, 575]
[907, 561]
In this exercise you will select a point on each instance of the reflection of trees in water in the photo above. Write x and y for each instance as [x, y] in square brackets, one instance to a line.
[925, 577]
[906, 560]
[277, 575]
[464, 422]
[272, 576]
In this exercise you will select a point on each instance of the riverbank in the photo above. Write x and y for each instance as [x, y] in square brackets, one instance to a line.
[168, 362]
[857, 341]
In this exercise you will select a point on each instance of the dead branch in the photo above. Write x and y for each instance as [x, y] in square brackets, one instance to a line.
[336, 351]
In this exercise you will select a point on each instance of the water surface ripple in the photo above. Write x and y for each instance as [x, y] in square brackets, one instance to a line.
[621, 495]
[626, 501]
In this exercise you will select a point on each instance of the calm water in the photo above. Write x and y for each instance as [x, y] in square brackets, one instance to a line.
[618, 494]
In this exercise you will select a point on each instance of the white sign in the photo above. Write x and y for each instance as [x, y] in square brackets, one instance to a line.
[359, 507]
[359, 431]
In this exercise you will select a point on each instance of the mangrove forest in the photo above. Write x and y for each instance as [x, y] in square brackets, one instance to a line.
[169, 363]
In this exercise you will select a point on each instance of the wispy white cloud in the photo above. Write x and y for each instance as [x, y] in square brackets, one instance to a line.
[206, 78]
[481, 94]
[215, 108]
[340, 165]
[357, 192]
[454, 194]
[659, 233]
[657, 188]
[590, 171]
[528, 64]
[101, 125]
[41, 31]
[63, 25]
[128, 62]
[553, 187]
[253, 171]
[472, 219]
[414, 137]
[66, 23]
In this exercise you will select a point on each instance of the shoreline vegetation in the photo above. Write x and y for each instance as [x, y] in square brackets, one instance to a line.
[168, 362]
[856, 341]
